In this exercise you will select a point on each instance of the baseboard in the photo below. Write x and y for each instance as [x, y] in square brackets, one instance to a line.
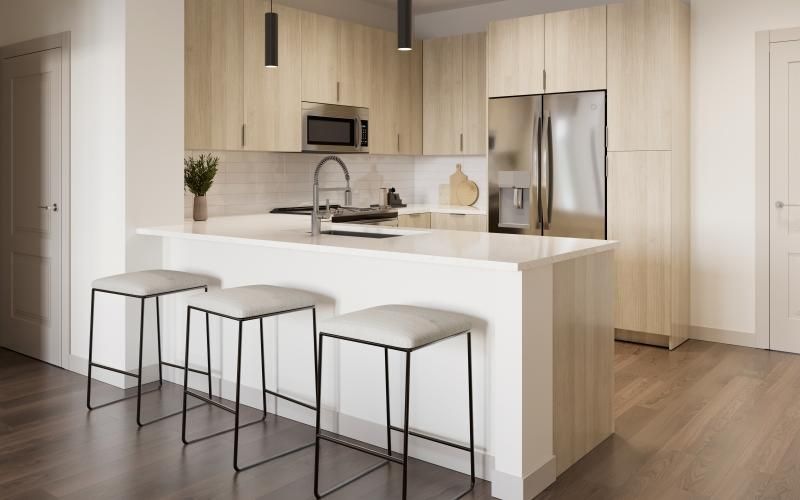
[509, 487]
[743, 339]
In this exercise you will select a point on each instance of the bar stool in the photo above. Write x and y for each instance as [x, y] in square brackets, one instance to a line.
[405, 329]
[141, 285]
[243, 304]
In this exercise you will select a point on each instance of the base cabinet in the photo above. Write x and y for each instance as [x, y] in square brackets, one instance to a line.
[459, 222]
[420, 220]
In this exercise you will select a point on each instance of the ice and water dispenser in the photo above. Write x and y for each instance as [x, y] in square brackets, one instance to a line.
[515, 199]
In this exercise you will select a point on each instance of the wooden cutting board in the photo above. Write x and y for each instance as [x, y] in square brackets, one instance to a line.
[456, 179]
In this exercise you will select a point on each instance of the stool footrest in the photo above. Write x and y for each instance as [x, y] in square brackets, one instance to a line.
[180, 367]
[275, 457]
[103, 405]
[359, 447]
[116, 370]
[431, 438]
[210, 401]
[291, 400]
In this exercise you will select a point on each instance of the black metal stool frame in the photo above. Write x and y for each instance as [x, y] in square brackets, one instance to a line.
[138, 374]
[389, 457]
[264, 391]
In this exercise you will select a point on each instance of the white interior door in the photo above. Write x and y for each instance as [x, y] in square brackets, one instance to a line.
[785, 196]
[30, 142]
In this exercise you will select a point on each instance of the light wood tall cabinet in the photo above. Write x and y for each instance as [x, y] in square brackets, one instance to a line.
[454, 95]
[555, 52]
[272, 95]
[336, 60]
[648, 167]
[395, 125]
[214, 112]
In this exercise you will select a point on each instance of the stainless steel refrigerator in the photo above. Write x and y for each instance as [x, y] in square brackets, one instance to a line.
[547, 165]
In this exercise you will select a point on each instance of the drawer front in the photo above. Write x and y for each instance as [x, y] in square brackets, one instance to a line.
[420, 220]
[459, 222]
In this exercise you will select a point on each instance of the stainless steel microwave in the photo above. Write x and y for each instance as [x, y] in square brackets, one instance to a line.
[329, 128]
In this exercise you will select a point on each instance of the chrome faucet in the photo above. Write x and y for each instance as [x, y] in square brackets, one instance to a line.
[348, 193]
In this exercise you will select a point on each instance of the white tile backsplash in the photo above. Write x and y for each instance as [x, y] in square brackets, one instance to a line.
[254, 182]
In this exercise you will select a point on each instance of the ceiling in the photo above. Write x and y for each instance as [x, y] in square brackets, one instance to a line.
[428, 6]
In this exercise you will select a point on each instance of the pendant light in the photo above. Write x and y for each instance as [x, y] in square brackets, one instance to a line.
[405, 25]
[271, 38]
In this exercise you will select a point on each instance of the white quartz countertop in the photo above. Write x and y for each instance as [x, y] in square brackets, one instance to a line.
[505, 252]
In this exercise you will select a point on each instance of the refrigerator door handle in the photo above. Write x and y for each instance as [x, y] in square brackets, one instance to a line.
[550, 172]
[538, 174]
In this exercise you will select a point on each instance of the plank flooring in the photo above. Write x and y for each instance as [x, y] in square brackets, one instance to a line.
[707, 421]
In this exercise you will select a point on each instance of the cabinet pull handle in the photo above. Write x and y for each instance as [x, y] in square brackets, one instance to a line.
[398, 143]
[544, 79]
[338, 91]
[462, 142]
[243, 134]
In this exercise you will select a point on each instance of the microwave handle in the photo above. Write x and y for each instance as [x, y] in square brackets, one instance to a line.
[357, 134]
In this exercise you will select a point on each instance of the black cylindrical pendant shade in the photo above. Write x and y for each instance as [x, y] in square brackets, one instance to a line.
[271, 40]
[405, 25]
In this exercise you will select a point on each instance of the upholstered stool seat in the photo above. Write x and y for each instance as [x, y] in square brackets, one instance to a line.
[398, 326]
[252, 301]
[147, 283]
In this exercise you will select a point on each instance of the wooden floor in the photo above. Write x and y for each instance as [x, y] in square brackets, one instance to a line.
[704, 421]
[51, 447]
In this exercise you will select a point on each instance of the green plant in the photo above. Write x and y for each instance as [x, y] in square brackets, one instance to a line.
[198, 174]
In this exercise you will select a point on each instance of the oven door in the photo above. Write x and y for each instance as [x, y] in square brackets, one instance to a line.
[329, 128]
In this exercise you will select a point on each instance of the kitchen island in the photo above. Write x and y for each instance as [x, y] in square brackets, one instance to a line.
[542, 311]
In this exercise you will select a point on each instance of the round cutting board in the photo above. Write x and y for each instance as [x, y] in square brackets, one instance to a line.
[467, 193]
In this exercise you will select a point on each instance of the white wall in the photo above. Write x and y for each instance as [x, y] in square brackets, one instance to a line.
[723, 156]
[126, 143]
[97, 144]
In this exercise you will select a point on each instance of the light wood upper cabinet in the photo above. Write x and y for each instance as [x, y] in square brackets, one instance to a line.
[515, 56]
[336, 60]
[213, 74]
[272, 95]
[396, 98]
[320, 58]
[355, 45]
[474, 97]
[442, 91]
[575, 50]
[454, 95]
[640, 74]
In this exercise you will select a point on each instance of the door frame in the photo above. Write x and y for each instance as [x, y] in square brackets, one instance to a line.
[764, 39]
[62, 41]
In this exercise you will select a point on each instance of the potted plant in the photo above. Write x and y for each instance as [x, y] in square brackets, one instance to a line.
[198, 176]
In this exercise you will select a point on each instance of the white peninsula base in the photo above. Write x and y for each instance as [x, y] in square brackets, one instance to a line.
[542, 312]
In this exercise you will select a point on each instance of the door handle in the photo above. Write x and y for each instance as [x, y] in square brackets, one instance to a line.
[53, 207]
[550, 172]
[538, 139]
[780, 204]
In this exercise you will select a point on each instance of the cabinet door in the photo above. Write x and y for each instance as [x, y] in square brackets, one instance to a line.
[639, 218]
[459, 222]
[395, 111]
[575, 50]
[474, 113]
[320, 49]
[421, 221]
[354, 73]
[272, 95]
[639, 75]
[516, 56]
[409, 128]
[442, 96]
[213, 74]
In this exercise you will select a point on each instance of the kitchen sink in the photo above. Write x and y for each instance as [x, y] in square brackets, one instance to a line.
[358, 234]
